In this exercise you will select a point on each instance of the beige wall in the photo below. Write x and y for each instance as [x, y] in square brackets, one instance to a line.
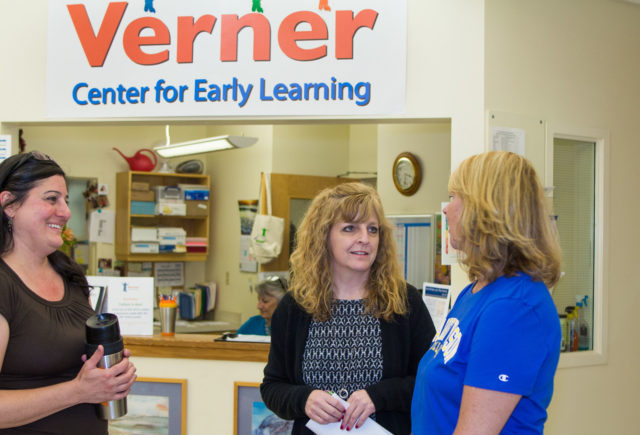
[430, 143]
[320, 149]
[575, 63]
[363, 145]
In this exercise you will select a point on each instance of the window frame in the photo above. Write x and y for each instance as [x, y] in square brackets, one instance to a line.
[598, 355]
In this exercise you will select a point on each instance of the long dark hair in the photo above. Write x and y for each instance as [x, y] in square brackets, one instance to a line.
[18, 175]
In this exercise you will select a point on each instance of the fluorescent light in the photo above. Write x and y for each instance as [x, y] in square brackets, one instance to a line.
[206, 145]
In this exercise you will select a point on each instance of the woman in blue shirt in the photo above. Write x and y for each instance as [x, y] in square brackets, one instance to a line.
[490, 369]
[270, 291]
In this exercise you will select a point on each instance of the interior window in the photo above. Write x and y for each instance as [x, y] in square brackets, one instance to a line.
[574, 205]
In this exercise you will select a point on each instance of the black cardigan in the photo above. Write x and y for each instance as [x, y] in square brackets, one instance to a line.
[404, 341]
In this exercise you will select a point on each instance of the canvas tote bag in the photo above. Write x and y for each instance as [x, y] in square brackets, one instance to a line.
[267, 231]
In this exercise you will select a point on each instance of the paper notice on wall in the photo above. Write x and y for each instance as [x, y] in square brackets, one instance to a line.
[247, 209]
[508, 139]
[5, 146]
[247, 262]
[169, 274]
[101, 226]
[437, 298]
[131, 299]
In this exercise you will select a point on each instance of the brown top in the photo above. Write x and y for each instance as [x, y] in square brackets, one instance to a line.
[46, 342]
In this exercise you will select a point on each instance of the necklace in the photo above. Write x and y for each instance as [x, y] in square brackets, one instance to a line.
[344, 353]
[342, 392]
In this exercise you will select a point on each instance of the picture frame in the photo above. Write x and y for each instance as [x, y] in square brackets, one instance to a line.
[158, 404]
[250, 412]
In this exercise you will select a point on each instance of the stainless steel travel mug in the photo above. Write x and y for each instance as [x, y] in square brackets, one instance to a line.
[103, 329]
[167, 319]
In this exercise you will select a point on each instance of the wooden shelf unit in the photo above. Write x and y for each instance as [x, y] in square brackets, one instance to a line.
[195, 226]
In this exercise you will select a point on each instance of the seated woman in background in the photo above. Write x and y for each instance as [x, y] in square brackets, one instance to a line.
[270, 291]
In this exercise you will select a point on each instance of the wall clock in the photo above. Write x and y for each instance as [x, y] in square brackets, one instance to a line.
[407, 173]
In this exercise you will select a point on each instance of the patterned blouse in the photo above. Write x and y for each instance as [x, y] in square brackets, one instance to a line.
[344, 353]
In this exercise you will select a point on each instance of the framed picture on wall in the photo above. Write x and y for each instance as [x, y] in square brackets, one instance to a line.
[250, 415]
[155, 405]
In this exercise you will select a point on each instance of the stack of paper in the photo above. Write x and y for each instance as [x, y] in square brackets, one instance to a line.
[369, 427]
[172, 239]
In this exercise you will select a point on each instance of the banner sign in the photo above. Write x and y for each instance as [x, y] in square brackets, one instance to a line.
[164, 58]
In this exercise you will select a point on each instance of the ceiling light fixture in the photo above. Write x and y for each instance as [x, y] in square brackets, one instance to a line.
[205, 145]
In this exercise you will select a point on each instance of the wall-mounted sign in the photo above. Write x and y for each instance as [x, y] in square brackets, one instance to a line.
[225, 58]
[131, 299]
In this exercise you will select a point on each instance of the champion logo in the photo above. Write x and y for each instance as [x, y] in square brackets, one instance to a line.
[503, 378]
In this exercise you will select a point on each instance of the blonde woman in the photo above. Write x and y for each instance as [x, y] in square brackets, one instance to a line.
[490, 370]
[349, 324]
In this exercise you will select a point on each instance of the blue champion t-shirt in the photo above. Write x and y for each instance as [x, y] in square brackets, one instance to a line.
[505, 338]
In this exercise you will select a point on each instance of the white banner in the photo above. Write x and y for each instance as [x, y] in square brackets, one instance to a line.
[220, 58]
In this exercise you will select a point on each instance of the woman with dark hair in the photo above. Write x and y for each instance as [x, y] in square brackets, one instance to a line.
[490, 369]
[349, 323]
[45, 387]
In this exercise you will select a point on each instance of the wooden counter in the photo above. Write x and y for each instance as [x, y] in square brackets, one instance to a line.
[195, 346]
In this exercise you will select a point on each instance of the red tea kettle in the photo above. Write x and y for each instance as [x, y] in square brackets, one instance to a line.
[140, 162]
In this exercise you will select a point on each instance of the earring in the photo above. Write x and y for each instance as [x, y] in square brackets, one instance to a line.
[10, 225]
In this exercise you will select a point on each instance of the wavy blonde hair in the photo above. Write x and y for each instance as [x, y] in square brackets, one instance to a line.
[311, 281]
[505, 225]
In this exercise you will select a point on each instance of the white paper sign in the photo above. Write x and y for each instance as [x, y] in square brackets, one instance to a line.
[102, 226]
[131, 299]
[508, 139]
[169, 274]
[437, 298]
[247, 262]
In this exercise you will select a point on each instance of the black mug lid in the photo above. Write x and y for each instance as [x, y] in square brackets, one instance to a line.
[102, 328]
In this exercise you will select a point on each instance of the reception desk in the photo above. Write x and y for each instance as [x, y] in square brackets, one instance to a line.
[196, 346]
